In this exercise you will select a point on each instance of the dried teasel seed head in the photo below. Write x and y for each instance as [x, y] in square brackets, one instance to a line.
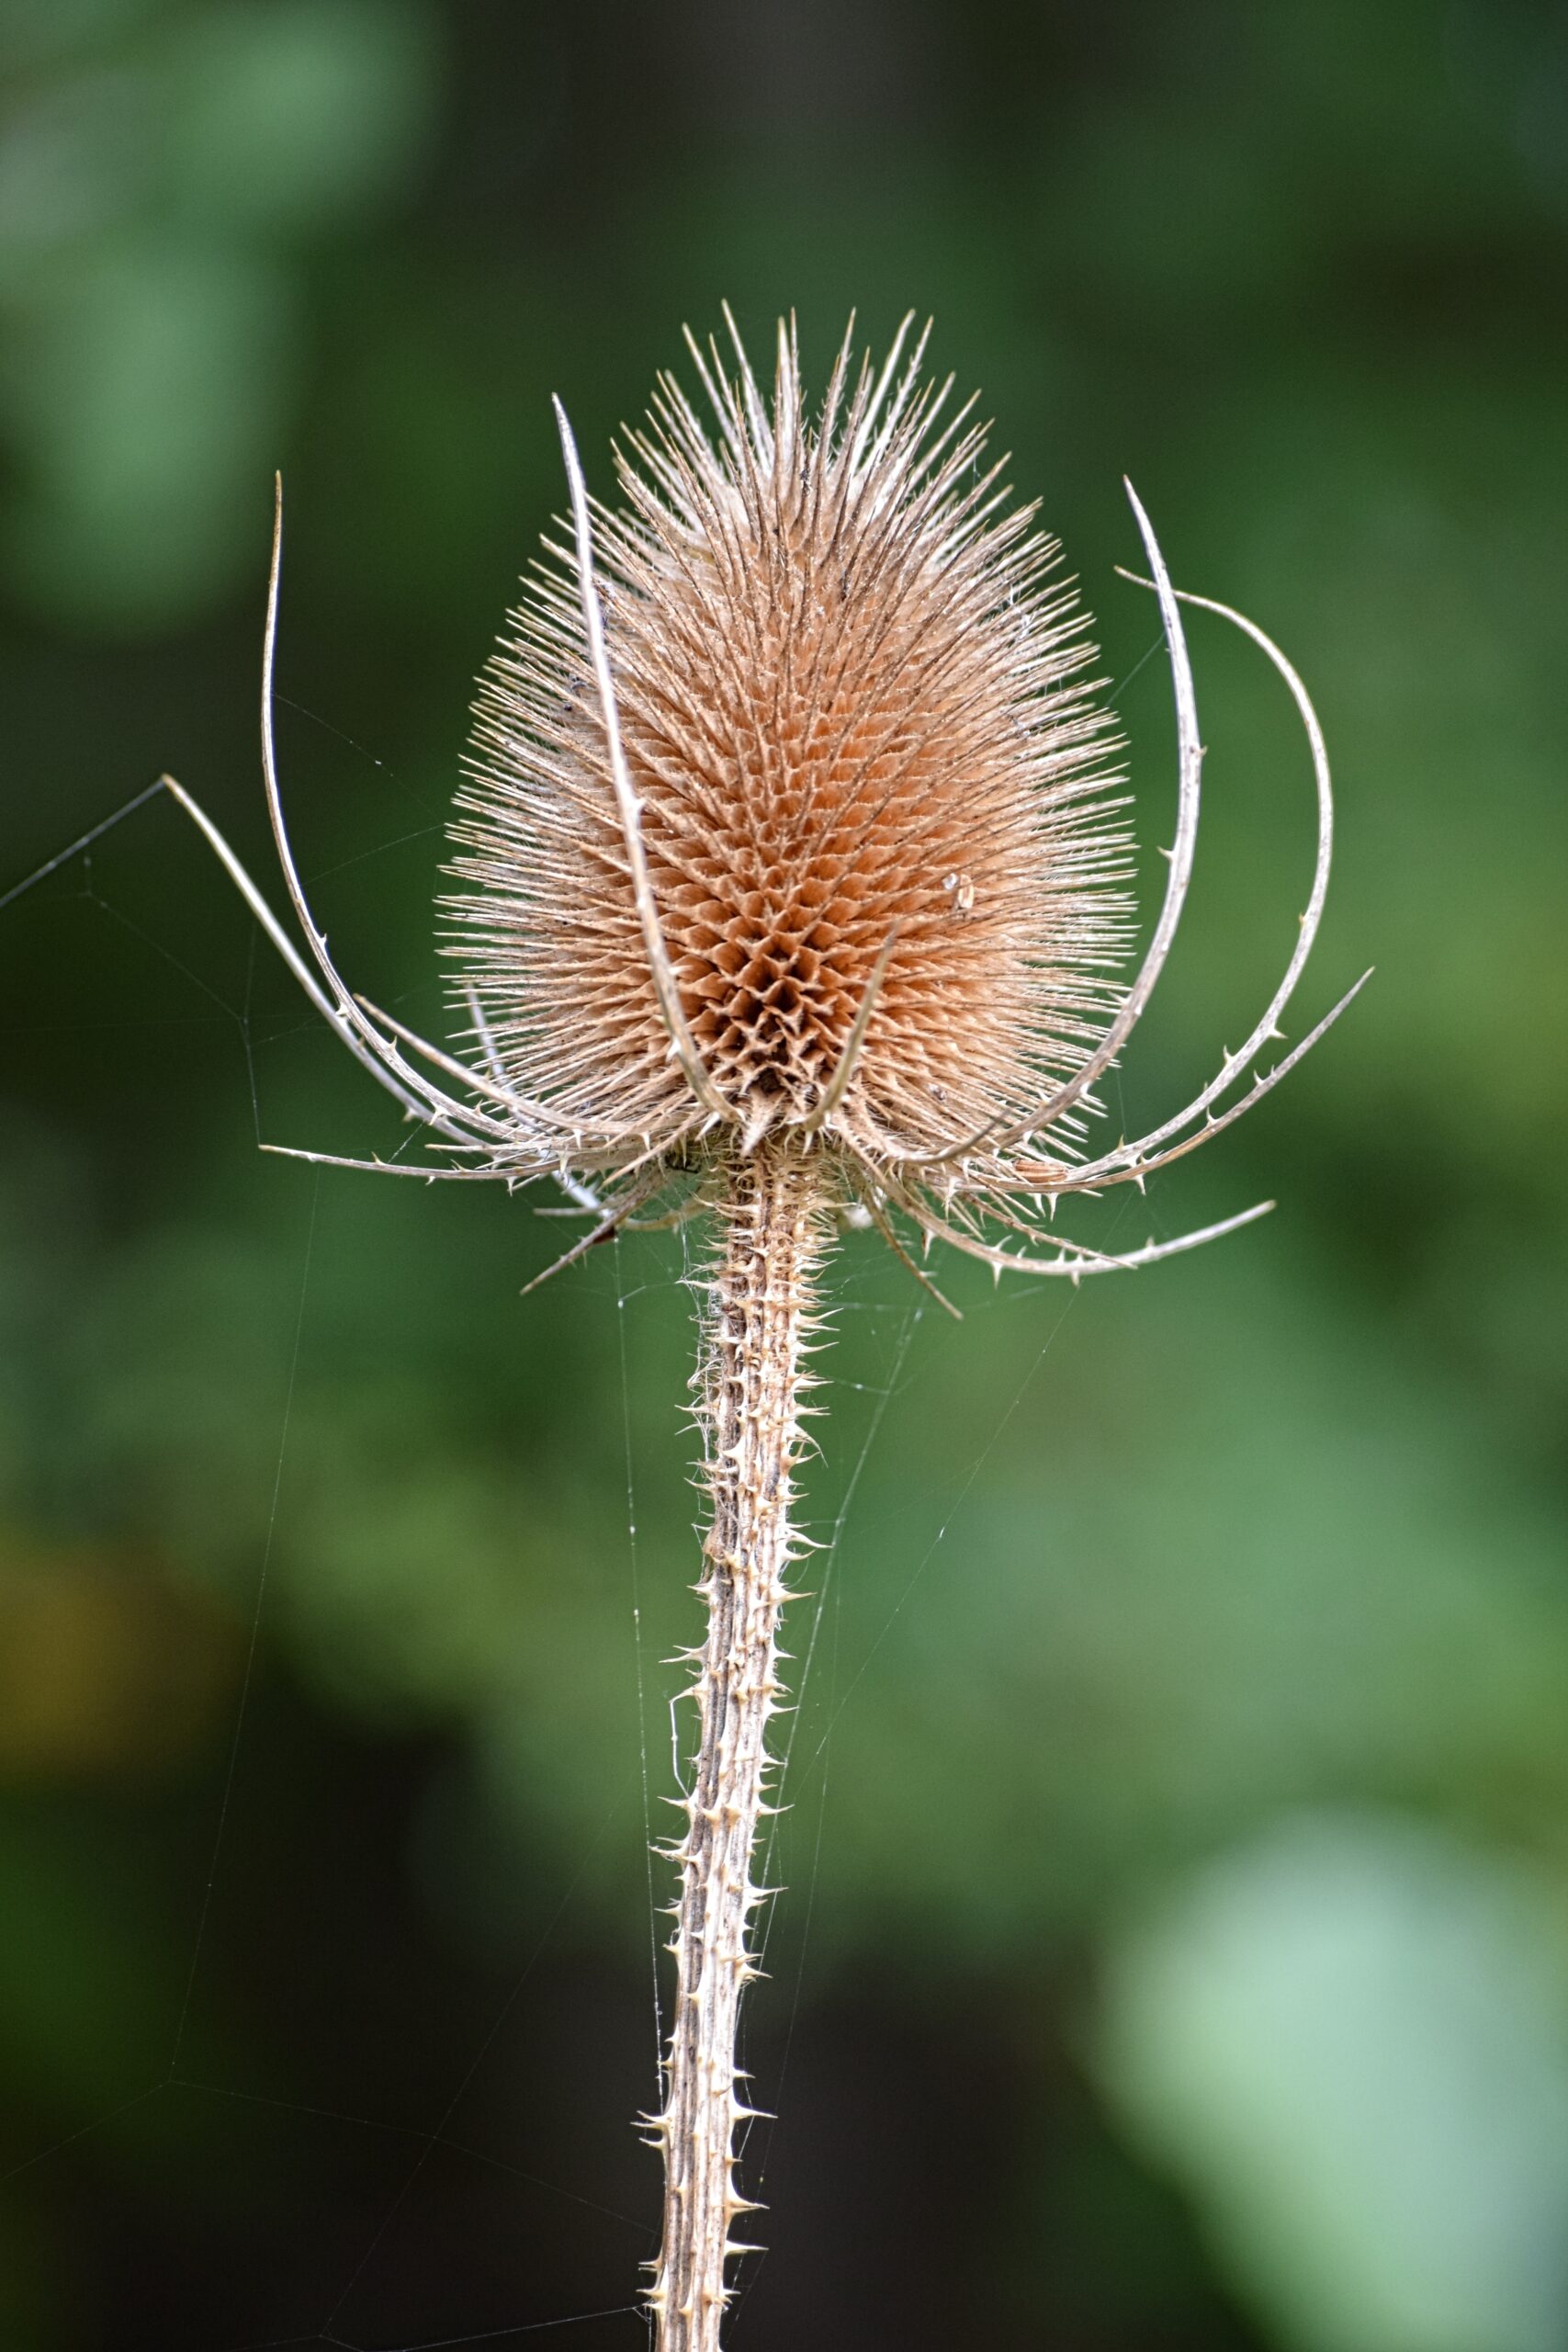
[790, 821]
[871, 782]
[789, 826]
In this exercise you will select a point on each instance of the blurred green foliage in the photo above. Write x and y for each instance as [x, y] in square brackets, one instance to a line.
[162, 171]
[1173, 1952]
[1354, 2036]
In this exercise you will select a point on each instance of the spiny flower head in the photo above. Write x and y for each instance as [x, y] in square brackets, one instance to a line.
[851, 699]
[790, 827]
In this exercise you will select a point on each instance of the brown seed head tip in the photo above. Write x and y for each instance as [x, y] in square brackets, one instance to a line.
[852, 696]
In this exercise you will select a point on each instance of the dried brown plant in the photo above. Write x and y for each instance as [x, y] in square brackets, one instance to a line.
[793, 882]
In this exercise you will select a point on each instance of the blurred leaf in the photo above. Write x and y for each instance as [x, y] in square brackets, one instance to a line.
[290, 115]
[34, 32]
[146, 394]
[154, 334]
[75, 155]
[1350, 2042]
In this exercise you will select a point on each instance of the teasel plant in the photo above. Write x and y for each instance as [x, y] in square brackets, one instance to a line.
[793, 866]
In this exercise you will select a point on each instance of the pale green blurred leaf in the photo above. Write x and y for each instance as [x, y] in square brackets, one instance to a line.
[75, 155]
[1350, 2041]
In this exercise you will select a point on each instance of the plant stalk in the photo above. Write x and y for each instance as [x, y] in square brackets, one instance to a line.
[755, 1337]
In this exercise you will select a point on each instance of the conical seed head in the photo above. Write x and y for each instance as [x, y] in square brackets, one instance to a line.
[852, 703]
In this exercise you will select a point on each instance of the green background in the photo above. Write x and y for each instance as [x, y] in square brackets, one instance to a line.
[1175, 1950]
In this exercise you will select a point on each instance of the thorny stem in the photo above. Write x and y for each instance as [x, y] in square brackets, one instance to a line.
[756, 1331]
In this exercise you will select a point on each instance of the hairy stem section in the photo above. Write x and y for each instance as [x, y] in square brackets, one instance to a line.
[755, 1336]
